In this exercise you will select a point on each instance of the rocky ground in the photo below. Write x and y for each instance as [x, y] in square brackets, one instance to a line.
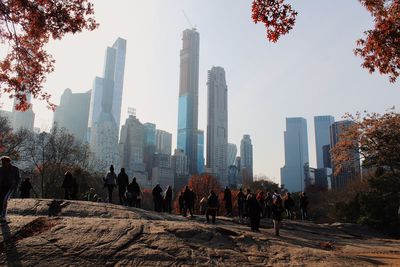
[73, 233]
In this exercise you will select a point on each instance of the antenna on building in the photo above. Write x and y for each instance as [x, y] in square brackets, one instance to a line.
[132, 112]
[188, 20]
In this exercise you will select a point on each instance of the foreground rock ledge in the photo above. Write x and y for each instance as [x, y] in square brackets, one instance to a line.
[73, 233]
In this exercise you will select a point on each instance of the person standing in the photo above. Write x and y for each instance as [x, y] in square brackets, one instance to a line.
[68, 185]
[303, 205]
[188, 199]
[168, 199]
[241, 198]
[277, 210]
[261, 201]
[288, 204]
[133, 193]
[268, 205]
[212, 207]
[157, 198]
[9, 181]
[122, 182]
[109, 182]
[203, 205]
[26, 188]
[254, 210]
[228, 201]
[181, 201]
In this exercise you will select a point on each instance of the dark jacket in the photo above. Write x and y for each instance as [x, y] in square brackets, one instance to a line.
[277, 212]
[157, 191]
[134, 188]
[168, 194]
[288, 203]
[212, 202]
[254, 208]
[227, 195]
[122, 180]
[9, 177]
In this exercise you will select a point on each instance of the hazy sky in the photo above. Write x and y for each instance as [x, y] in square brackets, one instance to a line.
[310, 72]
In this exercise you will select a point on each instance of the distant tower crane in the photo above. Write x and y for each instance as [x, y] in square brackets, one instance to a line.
[188, 20]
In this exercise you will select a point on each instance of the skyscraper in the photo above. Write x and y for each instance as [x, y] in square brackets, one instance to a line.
[217, 124]
[73, 113]
[23, 119]
[104, 120]
[322, 137]
[163, 142]
[232, 152]
[200, 151]
[296, 154]
[246, 158]
[188, 97]
[351, 170]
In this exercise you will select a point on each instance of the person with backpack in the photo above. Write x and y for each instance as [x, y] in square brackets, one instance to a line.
[122, 182]
[9, 181]
[212, 207]
[168, 200]
[228, 201]
[109, 182]
[288, 204]
[277, 210]
[157, 198]
[255, 211]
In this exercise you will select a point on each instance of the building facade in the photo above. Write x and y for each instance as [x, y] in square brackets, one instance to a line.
[188, 97]
[231, 154]
[200, 152]
[246, 158]
[322, 137]
[163, 142]
[296, 155]
[73, 113]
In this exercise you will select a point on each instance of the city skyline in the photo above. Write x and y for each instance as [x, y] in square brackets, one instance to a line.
[332, 75]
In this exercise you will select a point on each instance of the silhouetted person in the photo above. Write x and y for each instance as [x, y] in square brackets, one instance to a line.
[277, 210]
[181, 201]
[261, 201]
[246, 208]
[254, 210]
[188, 201]
[9, 181]
[122, 181]
[90, 195]
[228, 201]
[109, 182]
[168, 200]
[26, 188]
[303, 206]
[212, 207]
[193, 197]
[268, 205]
[157, 198]
[275, 195]
[241, 199]
[133, 193]
[68, 185]
[288, 204]
[203, 205]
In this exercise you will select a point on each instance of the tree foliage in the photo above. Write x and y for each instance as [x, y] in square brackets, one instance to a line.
[376, 137]
[11, 143]
[380, 49]
[27, 26]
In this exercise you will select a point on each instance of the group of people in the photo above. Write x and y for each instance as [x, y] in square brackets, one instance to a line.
[162, 200]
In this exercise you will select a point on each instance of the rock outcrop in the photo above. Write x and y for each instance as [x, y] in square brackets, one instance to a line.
[74, 233]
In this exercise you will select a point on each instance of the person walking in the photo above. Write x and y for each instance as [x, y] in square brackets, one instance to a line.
[168, 199]
[255, 211]
[122, 182]
[26, 188]
[109, 182]
[9, 181]
[68, 185]
[212, 207]
[277, 210]
[228, 201]
[133, 194]
[188, 201]
[268, 205]
[241, 198]
[157, 198]
[303, 205]
[181, 201]
[288, 204]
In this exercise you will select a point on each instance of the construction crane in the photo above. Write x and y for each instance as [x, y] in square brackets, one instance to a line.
[188, 20]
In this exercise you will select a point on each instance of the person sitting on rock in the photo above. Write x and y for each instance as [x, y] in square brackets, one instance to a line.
[91, 195]
[212, 207]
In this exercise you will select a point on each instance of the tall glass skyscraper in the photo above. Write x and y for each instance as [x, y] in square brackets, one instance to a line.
[217, 124]
[246, 158]
[321, 125]
[296, 154]
[188, 98]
